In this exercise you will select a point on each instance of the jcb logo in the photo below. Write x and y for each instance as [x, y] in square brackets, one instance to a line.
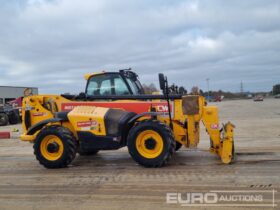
[162, 108]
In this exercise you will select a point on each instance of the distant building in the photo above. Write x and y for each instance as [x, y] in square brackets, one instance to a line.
[276, 89]
[8, 93]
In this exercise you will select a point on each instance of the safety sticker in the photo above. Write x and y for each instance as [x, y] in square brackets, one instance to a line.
[214, 126]
[39, 114]
[87, 125]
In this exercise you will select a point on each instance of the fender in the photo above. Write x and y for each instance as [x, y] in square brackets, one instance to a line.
[33, 129]
[153, 114]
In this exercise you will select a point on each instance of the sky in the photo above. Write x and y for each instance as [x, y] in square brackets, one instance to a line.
[51, 44]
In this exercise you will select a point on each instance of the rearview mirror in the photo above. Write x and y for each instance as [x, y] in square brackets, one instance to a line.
[161, 81]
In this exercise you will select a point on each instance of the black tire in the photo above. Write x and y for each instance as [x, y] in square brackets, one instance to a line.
[14, 118]
[178, 146]
[4, 119]
[69, 147]
[166, 135]
[83, 152]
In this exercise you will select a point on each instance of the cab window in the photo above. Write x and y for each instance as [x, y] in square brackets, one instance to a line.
[107, 84]
[105, 88]
[133, 86]
[120, 87]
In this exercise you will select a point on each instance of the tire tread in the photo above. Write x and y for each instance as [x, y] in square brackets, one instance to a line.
[70, 146]
[166, 133]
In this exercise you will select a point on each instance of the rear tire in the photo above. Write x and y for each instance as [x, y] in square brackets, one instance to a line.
[4, 119]
[55, 147]
[151, 143]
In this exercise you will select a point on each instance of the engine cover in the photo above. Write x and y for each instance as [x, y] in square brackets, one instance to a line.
[88, 118]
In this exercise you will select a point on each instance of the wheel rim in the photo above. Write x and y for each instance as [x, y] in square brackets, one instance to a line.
[51, 147]
[149, 144]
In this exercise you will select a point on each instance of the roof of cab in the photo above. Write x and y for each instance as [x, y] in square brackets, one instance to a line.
[87, 76]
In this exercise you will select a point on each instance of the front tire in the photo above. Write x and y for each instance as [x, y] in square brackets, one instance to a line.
[151, 143]
[55, 147]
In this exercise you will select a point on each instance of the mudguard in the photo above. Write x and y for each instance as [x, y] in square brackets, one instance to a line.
[32, 130]
[136, 117]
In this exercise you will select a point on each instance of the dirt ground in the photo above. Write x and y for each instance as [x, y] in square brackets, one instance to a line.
[112, 180]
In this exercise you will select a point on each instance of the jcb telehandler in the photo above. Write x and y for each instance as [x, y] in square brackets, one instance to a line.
[114, 112]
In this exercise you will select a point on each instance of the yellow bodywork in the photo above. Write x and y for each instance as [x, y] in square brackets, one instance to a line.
[38, 113]
[88, 118]
[186, 123]
[89, 75]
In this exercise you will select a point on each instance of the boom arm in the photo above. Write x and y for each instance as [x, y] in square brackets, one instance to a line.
[221, 139]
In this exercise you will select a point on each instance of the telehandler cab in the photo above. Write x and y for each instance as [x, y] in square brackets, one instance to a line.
[114, 112]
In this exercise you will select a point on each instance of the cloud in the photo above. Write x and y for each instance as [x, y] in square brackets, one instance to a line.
[51, 44]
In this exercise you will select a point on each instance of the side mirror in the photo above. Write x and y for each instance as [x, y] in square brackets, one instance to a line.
[82, 95]
[161, 81]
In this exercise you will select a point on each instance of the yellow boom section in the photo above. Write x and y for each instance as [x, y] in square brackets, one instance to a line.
[195, 110]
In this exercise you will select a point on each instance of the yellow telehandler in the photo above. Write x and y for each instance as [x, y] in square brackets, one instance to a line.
[114, 112]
